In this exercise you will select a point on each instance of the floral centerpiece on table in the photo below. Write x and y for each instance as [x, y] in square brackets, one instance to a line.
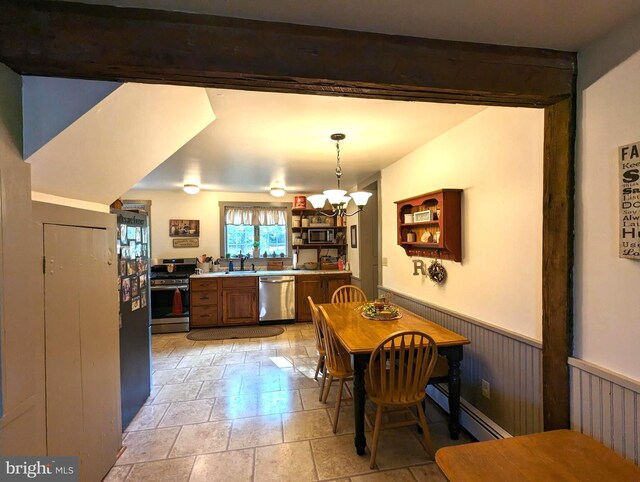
[380, 309]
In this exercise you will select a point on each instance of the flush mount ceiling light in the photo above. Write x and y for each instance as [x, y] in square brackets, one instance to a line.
[277, 191]
[337, 197]
[191, 188]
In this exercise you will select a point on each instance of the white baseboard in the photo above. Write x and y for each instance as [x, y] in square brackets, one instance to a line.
[475, 422]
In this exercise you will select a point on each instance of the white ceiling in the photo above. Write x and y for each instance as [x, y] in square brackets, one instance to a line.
[118, 141]
[556, 24]
[261, 139]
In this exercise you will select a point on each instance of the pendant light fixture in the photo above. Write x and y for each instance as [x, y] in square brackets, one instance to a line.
[338, 197]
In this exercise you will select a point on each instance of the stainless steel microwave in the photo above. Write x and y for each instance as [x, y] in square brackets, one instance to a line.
[320, 236]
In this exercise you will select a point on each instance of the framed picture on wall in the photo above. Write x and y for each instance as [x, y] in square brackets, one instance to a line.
[354, 236]
[184, 228]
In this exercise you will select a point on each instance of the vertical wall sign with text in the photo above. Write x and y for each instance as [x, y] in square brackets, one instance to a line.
[629, 160]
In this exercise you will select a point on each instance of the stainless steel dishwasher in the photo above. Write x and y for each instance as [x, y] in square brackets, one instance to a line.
[277, 298]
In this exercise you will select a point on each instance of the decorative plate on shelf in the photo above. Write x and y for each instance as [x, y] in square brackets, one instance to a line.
[372, 312]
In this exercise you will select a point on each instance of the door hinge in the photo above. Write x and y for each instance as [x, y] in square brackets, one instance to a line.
[44, 265]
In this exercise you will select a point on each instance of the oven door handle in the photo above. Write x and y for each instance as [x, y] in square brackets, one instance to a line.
[169, 287]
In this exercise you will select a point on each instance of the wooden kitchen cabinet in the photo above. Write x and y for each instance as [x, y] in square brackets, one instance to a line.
[320, 287]
[204, 305]
[239, 301]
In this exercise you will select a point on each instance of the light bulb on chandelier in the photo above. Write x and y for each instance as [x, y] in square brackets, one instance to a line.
[337, 197]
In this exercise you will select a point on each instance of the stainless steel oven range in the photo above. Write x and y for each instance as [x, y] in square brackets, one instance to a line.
[169, 283]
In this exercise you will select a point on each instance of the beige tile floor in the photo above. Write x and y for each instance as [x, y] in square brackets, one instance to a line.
[248, 410]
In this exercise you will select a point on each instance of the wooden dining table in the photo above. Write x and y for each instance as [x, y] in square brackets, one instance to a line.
[558, 455]
[360, 336]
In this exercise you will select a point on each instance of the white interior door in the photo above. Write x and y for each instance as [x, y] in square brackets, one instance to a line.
[82, 348]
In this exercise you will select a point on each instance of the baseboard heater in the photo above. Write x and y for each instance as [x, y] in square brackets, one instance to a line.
[475, 422]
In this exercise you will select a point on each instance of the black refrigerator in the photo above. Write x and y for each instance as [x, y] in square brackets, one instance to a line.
[132, 246]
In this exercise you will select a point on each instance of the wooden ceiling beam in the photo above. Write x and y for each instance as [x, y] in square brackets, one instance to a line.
[125, 44]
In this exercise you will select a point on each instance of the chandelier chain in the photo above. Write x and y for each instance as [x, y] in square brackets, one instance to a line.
[338, 167]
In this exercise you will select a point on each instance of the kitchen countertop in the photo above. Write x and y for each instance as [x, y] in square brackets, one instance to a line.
[284, 272]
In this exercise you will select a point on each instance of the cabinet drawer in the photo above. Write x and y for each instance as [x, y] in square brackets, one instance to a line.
[204, 298]
[240, 282]
[204, 284]
[204, 315]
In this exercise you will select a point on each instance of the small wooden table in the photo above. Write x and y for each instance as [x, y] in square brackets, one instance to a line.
[559, 455]
[361, 336]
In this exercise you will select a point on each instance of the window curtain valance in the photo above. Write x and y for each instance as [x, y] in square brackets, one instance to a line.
[256, 216]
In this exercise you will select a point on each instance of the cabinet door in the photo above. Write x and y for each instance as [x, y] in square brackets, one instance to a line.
[239, 306]
[308, 285]
[333, 283]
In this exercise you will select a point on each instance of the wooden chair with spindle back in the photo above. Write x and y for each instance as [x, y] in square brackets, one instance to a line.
[399, 369]
[337, 362]
[315, 319]
[348, 294]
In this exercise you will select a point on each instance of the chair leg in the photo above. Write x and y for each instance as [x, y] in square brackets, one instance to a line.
[318, 367]
[376, 436]
[425, 430]
[336, 412]
[327, 389]
[324, 381]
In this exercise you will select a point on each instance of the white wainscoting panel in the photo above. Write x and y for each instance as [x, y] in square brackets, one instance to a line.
[606, 406]
[511, 363]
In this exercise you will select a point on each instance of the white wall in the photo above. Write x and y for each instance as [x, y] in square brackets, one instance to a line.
[496, 158]
[166, 205]
[72, 203]
[606, 305]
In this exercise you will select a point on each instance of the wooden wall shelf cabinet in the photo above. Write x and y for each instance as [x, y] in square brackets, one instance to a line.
[320, 287]
[439, 237]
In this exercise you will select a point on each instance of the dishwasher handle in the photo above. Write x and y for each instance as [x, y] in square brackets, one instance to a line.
[269, 280]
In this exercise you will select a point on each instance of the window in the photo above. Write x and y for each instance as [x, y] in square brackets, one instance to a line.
[255, 230]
